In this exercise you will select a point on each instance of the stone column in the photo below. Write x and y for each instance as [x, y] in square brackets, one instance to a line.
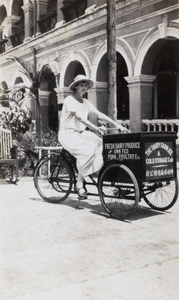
[98, 97]
[62, 93]
[140, 95]
[28, 21]
[60, 18]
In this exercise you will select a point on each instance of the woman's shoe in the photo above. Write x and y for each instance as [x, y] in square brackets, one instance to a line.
[82, 193]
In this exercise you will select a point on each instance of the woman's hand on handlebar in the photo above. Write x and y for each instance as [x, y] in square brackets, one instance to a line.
[102, 129]
[122, 128]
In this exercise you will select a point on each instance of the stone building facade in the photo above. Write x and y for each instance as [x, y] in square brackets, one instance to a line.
[71, 37]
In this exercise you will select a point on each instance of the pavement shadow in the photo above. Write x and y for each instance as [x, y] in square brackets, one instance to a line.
[95, 207]
[138, 214]
[142, 212]
[37, 199]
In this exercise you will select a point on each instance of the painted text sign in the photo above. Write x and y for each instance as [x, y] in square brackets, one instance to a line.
[122, 151]
[159, 160]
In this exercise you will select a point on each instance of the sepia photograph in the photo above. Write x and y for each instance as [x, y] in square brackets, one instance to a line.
[89, 149]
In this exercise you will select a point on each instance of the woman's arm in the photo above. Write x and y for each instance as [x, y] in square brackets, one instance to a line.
[86, 122]
[105, 118]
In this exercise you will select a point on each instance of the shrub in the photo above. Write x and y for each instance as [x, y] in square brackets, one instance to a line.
[16, 118]
[27, 154]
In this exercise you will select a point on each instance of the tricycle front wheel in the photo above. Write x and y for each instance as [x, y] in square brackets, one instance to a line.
[161, 195]
[53, 179]
[118, 191]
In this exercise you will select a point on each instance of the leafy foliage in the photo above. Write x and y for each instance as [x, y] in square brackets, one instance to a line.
[16, 118]
[26, 144]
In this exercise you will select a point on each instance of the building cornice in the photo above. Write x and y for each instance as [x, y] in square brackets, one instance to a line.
[148, 16]
[87, 22]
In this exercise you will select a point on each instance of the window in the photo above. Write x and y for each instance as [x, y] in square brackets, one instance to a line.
[73, 9]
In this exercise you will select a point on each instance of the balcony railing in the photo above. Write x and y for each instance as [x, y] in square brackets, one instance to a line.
[156, 125]
[74, 9]
[17, 38]
[48, 22]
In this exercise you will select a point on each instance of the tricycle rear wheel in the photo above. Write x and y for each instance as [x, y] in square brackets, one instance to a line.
[161, 195]
[118, 190]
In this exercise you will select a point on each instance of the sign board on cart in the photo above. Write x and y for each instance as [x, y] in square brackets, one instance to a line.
[150, 155]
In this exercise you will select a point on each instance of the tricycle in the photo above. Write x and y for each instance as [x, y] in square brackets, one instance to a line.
[136, 166]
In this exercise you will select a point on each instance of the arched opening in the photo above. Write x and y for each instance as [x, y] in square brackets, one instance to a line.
[4, 102]
[3, 86]
[166, 69]
[48, 99]
[101, 75]
[3, 14]
[17, 36]
[122, 88]
[74, 68]
[18, 80]
[3, 38]
[162, 60]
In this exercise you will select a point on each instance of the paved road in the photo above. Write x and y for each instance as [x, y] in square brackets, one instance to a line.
[73, 251]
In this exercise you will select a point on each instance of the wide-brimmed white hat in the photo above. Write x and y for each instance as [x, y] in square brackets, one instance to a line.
[78, 79]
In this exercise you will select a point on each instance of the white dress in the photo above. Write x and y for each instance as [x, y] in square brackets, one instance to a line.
[84, 145]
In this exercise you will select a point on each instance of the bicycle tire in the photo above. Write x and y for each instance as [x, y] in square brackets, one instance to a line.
[53, 179]
[161, 195]
[118, 191]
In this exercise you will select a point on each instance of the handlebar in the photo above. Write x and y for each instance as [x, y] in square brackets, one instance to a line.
[118, 129]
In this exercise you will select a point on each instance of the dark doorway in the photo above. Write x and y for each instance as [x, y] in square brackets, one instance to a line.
[166, 68]
[122, 89]
[166, 96]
